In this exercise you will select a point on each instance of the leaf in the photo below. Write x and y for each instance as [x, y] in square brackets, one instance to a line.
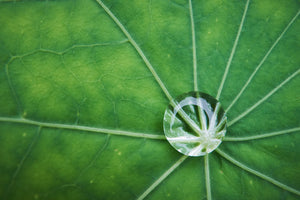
[84, 85]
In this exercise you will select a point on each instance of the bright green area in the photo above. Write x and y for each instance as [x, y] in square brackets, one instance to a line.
[67, 62]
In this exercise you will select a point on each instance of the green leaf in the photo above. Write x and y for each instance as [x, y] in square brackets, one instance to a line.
[84, 86]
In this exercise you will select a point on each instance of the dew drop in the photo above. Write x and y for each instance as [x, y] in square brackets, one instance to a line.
[195, 123]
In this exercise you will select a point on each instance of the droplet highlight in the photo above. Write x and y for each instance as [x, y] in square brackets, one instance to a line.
[195, 123]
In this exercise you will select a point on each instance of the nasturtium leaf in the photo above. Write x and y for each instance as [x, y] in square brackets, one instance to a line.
[84, 85]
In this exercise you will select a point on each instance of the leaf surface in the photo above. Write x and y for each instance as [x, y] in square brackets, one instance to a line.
[82, 98]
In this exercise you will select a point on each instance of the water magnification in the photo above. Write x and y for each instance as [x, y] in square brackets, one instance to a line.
[195, 123]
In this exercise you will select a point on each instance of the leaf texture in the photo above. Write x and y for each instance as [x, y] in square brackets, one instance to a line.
[84, 86]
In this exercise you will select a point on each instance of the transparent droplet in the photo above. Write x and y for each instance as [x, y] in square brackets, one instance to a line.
[195, 123]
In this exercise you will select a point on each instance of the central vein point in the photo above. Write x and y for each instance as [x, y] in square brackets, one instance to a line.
[195, 124]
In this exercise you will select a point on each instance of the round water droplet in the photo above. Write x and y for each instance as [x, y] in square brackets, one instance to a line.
[195, 123]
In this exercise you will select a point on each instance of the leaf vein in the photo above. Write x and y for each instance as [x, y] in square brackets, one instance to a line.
[162, 177]
[12, 88]
[138, 49]
[261, 136]
[233, 50]
[207, 177]
[194, 46]
[257, 173]
[262, 62]
[82, 128]
[25, 156]
[247, 111]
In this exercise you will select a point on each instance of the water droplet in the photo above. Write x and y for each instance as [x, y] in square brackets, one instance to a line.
[195, 123]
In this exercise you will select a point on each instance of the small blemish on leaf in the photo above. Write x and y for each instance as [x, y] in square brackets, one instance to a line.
[118, 152]
[36, 196]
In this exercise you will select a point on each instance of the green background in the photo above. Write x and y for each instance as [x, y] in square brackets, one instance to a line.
[68, 62]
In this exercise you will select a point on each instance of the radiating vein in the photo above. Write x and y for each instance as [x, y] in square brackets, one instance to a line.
[82, 128]
[261, 136]
[187, 118]
[147, 62]
[25, 156]
[233, 50]
[194, 46]
[247, 111]
[138, 49]
[200, 111]
[186, 139]
[207, 177]
[262, 62]
[162, 177]
[257, 173]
